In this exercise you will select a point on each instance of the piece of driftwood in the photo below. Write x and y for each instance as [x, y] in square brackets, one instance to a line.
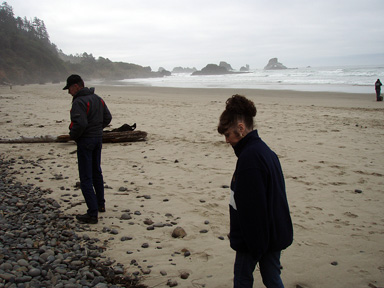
[37, 139]
[115, 137]
[125, 133]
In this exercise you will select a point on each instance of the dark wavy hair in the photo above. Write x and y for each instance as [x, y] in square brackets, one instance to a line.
[238, 108]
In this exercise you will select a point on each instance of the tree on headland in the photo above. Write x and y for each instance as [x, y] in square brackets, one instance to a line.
[28, 56]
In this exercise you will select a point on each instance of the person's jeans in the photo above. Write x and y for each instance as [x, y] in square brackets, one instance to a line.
[269, 270]
[91, 177]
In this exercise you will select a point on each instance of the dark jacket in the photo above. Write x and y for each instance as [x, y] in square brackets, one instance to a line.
[89, 115]
[260, 220]
[378, 85]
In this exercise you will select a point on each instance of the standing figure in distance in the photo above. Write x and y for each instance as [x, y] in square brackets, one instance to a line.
[378, 90]
[260, 221]
[89, 116]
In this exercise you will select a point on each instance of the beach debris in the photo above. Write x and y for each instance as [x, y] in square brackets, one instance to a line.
[122, 134]
[122, 128]
[114, 137]
[35, 139]
[179, 232]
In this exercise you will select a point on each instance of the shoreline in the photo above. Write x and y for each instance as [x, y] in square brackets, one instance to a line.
[328, 144]
[321, 88]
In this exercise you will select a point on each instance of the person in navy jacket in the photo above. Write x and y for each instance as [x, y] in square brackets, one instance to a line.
[89, 116]
[260, 221]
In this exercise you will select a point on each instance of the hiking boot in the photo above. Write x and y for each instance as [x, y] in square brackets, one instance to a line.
[101, 208]
[87, 219]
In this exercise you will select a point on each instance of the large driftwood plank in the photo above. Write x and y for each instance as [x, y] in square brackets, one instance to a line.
[109, 137]
[115, 137]
[37, 139]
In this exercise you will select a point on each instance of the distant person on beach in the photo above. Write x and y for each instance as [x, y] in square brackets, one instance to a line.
[89, 115]
[260, 222]
[378, 90]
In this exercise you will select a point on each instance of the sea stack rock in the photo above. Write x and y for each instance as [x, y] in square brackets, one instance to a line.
[164, 72]
[225, 65]
[244, 68]
[273, 64]
[212, 69]
[183, 70]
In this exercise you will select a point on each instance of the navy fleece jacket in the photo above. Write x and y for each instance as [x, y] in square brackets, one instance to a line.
[89, 115]
[260, 220]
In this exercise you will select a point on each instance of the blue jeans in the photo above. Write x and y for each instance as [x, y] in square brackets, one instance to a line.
[91, 177]
[269, 269]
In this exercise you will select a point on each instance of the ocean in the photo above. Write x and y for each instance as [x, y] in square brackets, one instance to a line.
[349, 79]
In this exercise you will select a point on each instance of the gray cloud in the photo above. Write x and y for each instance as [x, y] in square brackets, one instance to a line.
[173, 33]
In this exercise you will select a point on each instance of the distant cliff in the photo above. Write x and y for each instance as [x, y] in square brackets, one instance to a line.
[102, 68]
[273, 64]
[28, 56]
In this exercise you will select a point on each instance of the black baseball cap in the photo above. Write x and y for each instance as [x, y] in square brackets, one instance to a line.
[73, 79]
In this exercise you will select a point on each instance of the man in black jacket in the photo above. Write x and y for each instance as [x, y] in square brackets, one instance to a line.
[89, 116]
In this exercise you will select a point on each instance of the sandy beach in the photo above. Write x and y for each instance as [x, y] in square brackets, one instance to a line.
[330, 146]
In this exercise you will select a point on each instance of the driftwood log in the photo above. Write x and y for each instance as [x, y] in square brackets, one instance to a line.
[124, 133]
[114, 137]
[37, 139]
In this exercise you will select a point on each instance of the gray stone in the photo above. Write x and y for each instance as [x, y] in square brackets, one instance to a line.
[179, 232]
[34, 272]
[126, 216]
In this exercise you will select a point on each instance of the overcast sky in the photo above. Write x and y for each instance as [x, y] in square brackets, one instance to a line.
[194, 33]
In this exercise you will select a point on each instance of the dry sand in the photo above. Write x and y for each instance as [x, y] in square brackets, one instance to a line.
[330, 146]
